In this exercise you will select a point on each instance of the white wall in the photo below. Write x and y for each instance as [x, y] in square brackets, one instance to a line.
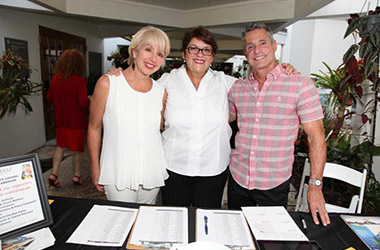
[329, 45]
[311, 42]
[299, 50]
[20, 133]
[112, 45]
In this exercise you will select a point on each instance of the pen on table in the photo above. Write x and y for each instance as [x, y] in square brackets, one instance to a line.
[206, 226]
[103, 241]
[303, 223]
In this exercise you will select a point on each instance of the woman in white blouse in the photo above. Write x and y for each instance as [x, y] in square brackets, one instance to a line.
[197, 133]
[129, 108]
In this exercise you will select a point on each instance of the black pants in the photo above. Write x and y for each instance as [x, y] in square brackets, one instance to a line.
[185, 191]
[239, 197]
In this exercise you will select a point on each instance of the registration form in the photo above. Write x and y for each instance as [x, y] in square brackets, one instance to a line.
[104, 226]
[273, 223]
[225, 227]
[160, 226]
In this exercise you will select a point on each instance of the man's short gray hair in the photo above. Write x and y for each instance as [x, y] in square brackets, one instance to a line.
[255, 26]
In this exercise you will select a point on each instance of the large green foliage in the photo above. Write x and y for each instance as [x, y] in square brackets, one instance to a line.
[15, 85]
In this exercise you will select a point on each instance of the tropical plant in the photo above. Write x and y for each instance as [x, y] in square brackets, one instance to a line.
[344, 147]
[15, 85]
[366, 28]
[115, 58]
[341, 97]
[358, 156]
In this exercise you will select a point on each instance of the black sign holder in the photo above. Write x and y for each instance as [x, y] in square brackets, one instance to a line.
[24, 205]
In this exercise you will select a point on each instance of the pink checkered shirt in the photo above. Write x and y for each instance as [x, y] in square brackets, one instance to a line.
[268, 122]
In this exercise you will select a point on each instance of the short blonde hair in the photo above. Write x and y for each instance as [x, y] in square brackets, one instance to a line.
[152, 36]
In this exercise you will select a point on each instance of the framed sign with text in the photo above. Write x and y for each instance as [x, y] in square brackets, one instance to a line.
[24, 205]
[17, 47]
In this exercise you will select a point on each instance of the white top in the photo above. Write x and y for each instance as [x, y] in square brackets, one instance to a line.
[197, 132]
[132, 152]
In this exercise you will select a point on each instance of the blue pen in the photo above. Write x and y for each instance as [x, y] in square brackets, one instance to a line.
[206, 226]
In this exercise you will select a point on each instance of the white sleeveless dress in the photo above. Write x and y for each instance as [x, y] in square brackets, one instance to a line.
[132, 152]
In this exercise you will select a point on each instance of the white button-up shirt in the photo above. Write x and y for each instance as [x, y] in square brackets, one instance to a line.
[197, 133]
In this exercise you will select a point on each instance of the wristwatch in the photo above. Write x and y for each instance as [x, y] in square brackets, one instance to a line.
[316, 182]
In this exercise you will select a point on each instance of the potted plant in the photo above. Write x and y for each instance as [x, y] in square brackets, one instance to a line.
[367, 24]
[115, 58]
[367, 28]
[366, 67]
[343, 94]
[15, 85]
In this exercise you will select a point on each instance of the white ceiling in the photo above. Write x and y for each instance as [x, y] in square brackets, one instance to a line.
[181, 14]
[225, 18]
[188, 4]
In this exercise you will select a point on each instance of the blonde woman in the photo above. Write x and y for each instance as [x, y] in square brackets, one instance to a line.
[129, 108]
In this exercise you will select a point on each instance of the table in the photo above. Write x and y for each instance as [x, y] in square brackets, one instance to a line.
[69, 212]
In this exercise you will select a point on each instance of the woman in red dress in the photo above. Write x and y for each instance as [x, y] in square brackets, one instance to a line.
[68, 93]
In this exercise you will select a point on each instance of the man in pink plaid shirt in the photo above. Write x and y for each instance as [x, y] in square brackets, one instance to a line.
[269, 106]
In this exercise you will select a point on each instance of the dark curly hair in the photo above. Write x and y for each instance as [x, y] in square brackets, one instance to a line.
[202, 34]
[69, 63]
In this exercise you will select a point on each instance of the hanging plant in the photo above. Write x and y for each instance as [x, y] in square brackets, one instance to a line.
[367, 27]
[366, 68]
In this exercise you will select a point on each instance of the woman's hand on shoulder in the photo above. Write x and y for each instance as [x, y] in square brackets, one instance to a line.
[115, 71]
[290, 69]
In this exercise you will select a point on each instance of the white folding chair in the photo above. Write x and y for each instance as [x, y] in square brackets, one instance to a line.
[338, 172]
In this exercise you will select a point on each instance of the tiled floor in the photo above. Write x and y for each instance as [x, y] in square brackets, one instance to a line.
[87, 190]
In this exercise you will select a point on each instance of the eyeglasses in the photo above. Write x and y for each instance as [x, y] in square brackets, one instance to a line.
[195, 50]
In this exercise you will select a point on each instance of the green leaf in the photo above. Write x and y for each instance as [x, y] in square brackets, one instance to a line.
[350, 52]
[343, 82]
[365, 48]
[369, 68]
[13, 104]
[375, 150]
[352, 27]
[3, 111]
[375, 40]
[26, 104]
[371, 56]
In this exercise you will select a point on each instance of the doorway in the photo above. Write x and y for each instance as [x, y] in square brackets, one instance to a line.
[52, 45]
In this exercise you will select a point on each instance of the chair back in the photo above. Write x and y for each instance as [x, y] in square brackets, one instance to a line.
[338, 172]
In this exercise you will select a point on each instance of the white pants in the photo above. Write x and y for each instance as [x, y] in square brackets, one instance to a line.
[141, 195]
